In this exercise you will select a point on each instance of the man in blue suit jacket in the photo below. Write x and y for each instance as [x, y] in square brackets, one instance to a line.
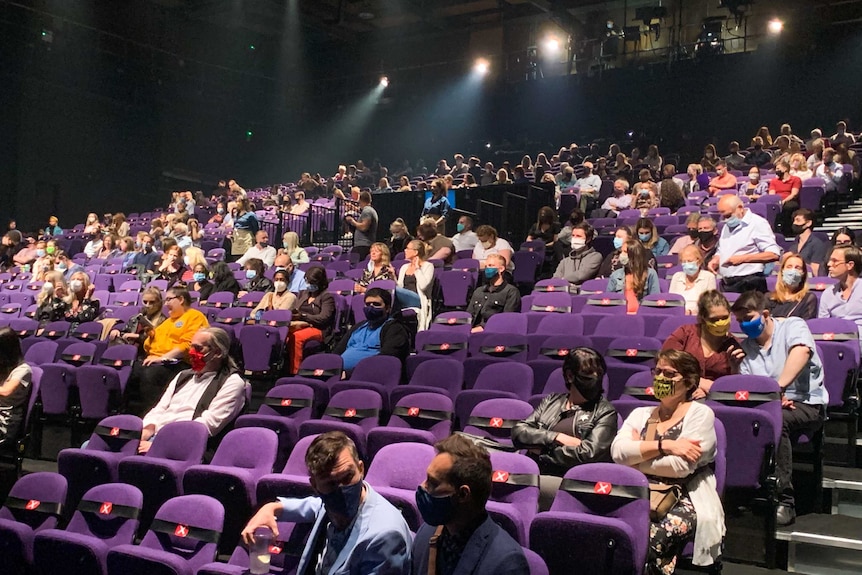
[356, 531]
[459, 536]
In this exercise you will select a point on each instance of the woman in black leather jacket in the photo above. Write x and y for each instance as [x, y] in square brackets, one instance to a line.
[568, 429]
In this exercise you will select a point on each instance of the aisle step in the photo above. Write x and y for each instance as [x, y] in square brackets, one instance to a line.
[823, 544]
[844, 485]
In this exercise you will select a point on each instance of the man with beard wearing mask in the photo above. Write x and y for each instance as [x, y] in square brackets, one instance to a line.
[379, 334]
[706, 238]
[458, 535]
[783, 349]
[583, 262]
[211, 392]
[496, 295]
[809, 247]
[356, 531]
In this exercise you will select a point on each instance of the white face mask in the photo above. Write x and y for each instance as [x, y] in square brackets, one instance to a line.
[279, 286]
[48, 287]
[487, 245]
[76, 285]
[578, 243]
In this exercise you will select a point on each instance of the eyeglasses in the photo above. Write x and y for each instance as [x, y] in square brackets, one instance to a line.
[170, 297]
[668, 373]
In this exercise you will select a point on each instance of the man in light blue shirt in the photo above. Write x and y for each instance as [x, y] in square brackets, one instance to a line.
[297, 281]
[830, 171]
[783, 349]
[844, 299]
[745, 246]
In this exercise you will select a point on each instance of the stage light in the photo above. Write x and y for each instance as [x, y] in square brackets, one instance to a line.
[481, 66]
[252, 47]
[775, 26]
[384, 81]
[551, 45]
[248, 135]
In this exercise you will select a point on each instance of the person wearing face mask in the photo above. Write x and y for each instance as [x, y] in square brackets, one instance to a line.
[297, 282]
[791, 297]
[136, 330]
[279, 298]
[723, 179]
[755, 187]
[380, 334]
[689, 238]
[735, 160]
[746, 244]
[708, 340]
[620, 200]
[809, 247]
[211, 391]
[588, 185]
[758, 156]
[583, 262]
[355, 530]
[260, 250]
[194, 260]
[313, 315]
[399, 238]
[645, 191]
[199, 278]
[51, 303]
[494, 296]
[458, 534]
[635, 279]
[218, 217]
[146, 259]
[675, 443]
[81, 305]
[568, 429]
[94, 245]
[65, 265]
[709, 161]
[649, 237]
[415, 282]
[693, 280]
[466, 238]
[843, 236]
[783, 349]
[787, 187]
[166, 349]
[221, 280]
[255, 279]
[491, 243]
[290, 241]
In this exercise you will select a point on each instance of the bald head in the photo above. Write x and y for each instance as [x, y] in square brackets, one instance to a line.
[729, 206]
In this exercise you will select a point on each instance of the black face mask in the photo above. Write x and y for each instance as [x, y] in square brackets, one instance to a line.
[797, 229]
[693, 234]
[705, 237]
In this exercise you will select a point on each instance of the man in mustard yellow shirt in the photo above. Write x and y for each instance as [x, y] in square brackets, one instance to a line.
[167, 347]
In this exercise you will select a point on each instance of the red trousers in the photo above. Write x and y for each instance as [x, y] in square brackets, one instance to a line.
[295, 340]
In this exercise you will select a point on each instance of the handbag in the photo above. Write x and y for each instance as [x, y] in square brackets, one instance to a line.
[662, 496]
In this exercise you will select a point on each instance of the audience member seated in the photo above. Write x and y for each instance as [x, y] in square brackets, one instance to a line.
[645, 191]
[53, 228]
[698, 180]
[221, 280]
[755, 187]
[649, 237]
[675, 443]
[568, 429]
[635, 279]
[689, 239]
[93, 245]
[378, 268]
[843, 236]
[791, 297]
[301, 206]
[172, 266]
[495, 295]
[809, 247]
[588, 186]
[611, 261]
[787, 188]
[583, 262]
[567, 181]
[783, 349]
[297, 253]
[109, 249]
[180, 233]
[400, 237]
[212, 392]
[670, 190]
[260, 250]
[546, 229]
[723, 179]
[355, 529]
[844, 299]
[490, 243]
[279, 298]
[708, 341]
[439, 247]
[757, 156]
[710, 159]
[466, 238]
[746, 244]
[693, 280]
[195, 262]
[415, 282]
[257, 281]
[166, 348]
[92, 225]
[621, 199]
[66, 265]
[26, 254]
[51, 301]
[829, 170]
[16, 377]
[379, 334]
[313, 317]
[564, 238]
[735, 160]
[139, 327]
[799, 167]
[457, 529]
[80, 305]
[146, 260]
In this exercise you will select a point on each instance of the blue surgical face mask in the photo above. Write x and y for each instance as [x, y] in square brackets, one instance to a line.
[434, 510]
[220, 210]
[690, 268]
[460, 228]
[61, 267]
[732, 222]
[791, 277]
[491, 273]
[618, 243]
[199, 276]
[40, 253]
[250, 274]
[644, 237]
[344, 500]
[312, 288]
[754, 327]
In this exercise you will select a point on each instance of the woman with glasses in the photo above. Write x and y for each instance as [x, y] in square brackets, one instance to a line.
[674, 443]
[139, 327]
[843, 236]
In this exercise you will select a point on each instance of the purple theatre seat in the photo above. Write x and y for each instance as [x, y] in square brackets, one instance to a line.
[34, 504]
[244, 456]
[88, 331]
[353, 411]
[514, 493]
[527, 265]
[491, 348]
[638, 392]
[421, 418]
[594, 286]
[107, 516]
[324, 367]
[41, 352]
[551, 302]
[608, 328]
[436, 344]
[284, 408]
[263, 344]
[495, 418]
[113, 439]
[382, 369]
[249, 300]
[452, 321]
[605, 508]
[54, 329]
[555, 383]
[18, 446]
[555, 347]
[507, 322]
[551, 285]
[561, 324]
[231, 320]
[396, 471]
[670, 324]
[182, 538]
[536, 563]
[443, 375]
[455, 288]
[293, 479]
[159, 474]
[627, 355]
[284, 553]
[497, 380]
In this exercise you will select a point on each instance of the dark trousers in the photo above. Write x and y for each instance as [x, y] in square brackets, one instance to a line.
[784, 221]
[741, 284]
[804, 418]
[151, 382]
[363, 251]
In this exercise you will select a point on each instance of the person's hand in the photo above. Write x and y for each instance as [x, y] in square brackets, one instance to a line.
[477, 329]
[737, 355]
[151, 359]
[698, 393]
[130, 337]
[241, 293]
[144, 446]
[636, 436]
[114, 334]
[349, 220]
[265, 517]
[567, 440]
[703, 388]
[688, 449]
[734, 260]
[90, 291]
[787, 403]
[713, 265]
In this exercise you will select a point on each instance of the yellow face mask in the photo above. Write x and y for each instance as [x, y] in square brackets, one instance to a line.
[662, 387]
[718, 328]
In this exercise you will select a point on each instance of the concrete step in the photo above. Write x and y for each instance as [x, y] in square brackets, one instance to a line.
[823, 544]
[844, 486]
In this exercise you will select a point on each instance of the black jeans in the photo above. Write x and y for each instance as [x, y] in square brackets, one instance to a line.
[152, 381]
[804, 418]
[784, 221]
[742, 284]
[363, 251]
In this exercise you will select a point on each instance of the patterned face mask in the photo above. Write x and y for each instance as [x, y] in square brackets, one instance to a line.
[662, 387]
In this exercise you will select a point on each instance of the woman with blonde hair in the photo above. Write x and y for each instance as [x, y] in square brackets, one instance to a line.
[378, 267]
[297, 253]
[799, 167]
[193, 258]
[791, 297]
[693, 280]
[80, 305]
[415, 281]
[400, 236]
[763, 133]
[92, 226]
[51, 305]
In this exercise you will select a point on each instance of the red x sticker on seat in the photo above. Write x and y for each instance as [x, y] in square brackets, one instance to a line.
[500, 348]
[275, 549]
[500, 476]
[452, 320]
[272, 322]
[649, 391]
[562, 352]
[413, 412]
[602, 488]
[606, 301]
[550, 288]
[115, 431]
[181, 530]
[32, 504]
[631, 353]
[318, 372]
[350, 412]
[105, 508]
[661, 302]
[118, 363]
[444, 346]
[76, 357]
[820, 287]
[286, 401]
[741, 396]
[496, 422]
[549, 308]
[828, 336]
